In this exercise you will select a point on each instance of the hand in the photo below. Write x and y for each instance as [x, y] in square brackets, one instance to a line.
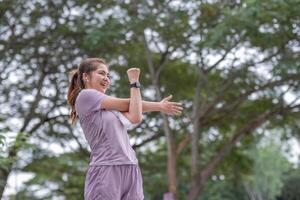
[170, 108]
[133, 74]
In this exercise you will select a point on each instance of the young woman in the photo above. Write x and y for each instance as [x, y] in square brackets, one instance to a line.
[113, 172]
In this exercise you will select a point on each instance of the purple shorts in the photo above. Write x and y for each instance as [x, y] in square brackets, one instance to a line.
[114, 182]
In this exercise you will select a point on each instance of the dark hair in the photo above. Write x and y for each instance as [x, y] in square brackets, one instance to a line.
[76, 81]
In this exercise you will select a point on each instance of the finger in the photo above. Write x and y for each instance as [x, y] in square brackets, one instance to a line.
[167, 98]
[130, 69]
[175, 113]
[178, 108]
[178, 113]
[133, 69]
[176, 103]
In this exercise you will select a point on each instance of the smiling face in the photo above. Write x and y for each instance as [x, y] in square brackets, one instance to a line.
[98, 79]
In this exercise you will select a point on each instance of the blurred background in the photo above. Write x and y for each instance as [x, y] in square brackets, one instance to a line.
[234, 64]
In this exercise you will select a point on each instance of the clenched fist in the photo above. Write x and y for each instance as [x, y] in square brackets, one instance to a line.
[133, 74]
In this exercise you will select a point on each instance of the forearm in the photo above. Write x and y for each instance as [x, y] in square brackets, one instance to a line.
[135, 105]
[149, 106]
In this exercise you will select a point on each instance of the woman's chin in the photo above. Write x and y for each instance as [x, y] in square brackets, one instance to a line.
[103, 90]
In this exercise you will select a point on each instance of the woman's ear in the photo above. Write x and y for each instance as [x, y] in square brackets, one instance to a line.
[85, 77]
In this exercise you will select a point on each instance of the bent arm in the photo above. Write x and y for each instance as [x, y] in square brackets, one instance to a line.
[132, 105]
[135, 101]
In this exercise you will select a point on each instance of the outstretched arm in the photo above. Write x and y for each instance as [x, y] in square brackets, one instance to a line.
[122, 105]
[165, 106]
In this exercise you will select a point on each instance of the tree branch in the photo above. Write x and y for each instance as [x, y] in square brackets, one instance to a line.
[201, 177]
[153, 137]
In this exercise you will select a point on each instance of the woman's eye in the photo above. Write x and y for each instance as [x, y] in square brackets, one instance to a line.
[108, 76]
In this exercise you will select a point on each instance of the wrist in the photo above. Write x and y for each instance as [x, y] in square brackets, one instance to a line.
[133, 81]
[160, 107]
[135, 84]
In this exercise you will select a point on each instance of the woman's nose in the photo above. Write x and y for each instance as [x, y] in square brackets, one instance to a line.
[106, 79]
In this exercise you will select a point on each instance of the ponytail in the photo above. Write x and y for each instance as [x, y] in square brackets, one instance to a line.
[73, 92]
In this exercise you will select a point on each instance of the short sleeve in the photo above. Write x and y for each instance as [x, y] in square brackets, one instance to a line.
[126, 123]
[88, 100]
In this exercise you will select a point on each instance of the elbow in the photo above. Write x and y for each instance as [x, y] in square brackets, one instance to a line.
[136, 119]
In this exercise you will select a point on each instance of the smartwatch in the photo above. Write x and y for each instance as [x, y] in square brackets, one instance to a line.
[135, 84]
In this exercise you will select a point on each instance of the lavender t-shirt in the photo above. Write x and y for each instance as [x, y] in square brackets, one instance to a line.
[106, 135]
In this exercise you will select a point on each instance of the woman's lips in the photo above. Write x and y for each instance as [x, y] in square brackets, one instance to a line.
[104, 83]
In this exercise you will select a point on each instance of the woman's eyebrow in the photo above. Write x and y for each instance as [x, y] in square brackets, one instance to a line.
[100, 70]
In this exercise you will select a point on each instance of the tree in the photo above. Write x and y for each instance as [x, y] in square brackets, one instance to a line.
[290, 189]
[266, 179]
[231, 62]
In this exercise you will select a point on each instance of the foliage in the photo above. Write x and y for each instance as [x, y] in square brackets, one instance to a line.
[267, 175]
[290, 189]
[240, 58]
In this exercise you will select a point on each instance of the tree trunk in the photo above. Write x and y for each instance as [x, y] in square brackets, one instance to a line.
[195, 148]
[171, 146]
[198, 106]
[171, 169]
[5, 171]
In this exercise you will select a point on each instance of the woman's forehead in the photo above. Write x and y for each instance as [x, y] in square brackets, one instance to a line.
[102, 67]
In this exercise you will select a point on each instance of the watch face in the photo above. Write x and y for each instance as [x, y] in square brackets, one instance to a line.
[136, 84]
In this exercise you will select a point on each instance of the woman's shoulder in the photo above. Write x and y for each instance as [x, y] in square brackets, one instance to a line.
[85, 94]
[88, 100]
[89, 91]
